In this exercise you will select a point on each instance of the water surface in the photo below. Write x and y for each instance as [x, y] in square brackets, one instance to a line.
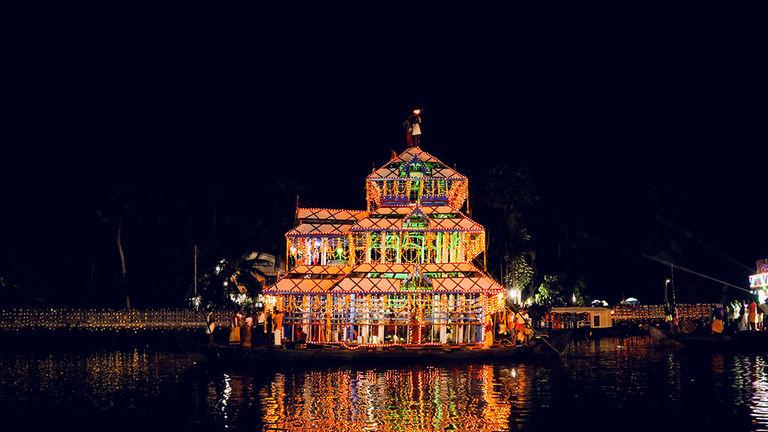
[618, 384]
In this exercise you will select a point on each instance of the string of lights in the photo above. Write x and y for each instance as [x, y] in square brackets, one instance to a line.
[107, 319]
[341, 284]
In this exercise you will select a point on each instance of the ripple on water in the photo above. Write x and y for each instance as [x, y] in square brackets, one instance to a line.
[611, 382]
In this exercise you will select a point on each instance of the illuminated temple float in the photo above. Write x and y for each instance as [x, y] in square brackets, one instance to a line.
[407, 270]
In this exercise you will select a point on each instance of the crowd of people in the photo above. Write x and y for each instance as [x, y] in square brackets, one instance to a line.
[517, 328]
[258, 327]
[735, 317]
[739, 316]
[254, 327]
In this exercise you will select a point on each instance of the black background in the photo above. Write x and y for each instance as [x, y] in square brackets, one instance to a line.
[644, 132]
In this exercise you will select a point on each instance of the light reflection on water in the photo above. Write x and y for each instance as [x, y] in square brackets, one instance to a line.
[477, 398]
[95, 390]
[759, 401]
[614, 382]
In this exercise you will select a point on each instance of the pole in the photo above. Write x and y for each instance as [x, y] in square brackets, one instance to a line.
[672, 278]
[501, 269]
[195, 270]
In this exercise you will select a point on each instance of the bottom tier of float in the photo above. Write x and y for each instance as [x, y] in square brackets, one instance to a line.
[313, 354]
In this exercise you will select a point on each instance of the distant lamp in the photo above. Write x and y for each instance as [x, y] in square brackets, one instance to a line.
[515, 296]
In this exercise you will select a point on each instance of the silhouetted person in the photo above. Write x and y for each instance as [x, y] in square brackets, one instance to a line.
[413, 128]
[210, 326]
[752, 315]
[301, 337]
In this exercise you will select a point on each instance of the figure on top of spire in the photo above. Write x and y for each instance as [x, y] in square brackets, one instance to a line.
[413, 128]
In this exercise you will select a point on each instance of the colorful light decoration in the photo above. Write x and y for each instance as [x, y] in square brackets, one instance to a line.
[759, 281]
[762, 266]
[16, 319]
[396, 400]
[657, 313]
[339, 263]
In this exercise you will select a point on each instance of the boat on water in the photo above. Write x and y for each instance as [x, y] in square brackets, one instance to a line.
[745, 341]
[313, 354]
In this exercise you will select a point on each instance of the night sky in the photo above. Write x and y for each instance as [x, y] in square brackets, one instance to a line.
[640, 137]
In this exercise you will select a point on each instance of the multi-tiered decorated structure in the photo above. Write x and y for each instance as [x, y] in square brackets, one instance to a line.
[406, 270]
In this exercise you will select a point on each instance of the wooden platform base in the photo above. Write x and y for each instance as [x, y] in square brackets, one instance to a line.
[273, 355]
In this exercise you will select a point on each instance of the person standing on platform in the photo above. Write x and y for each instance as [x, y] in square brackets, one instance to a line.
[413, 128]
[520, 324]
[731, 318]
[511, 323]
[260, 323]
[301, 337]
[717, 321]
[527, 330]
[752, 315]
[488, 331]
[762, 308]
[247, 326]
[325, 329]
[675, 321]
[278, 326]
[743, 320]
[270, 326]
[234, 331]
[210, 326]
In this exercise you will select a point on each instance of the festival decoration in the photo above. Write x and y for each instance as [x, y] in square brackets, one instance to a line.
[759, 282]
[648, 314]
[402, 271]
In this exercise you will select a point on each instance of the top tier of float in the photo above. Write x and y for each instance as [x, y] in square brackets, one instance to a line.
[415, 177]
